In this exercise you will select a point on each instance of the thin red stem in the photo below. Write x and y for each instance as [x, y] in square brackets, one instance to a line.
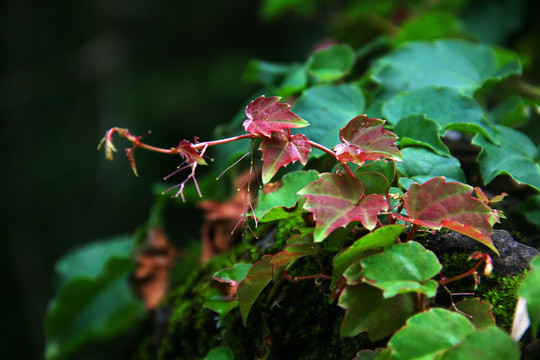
[444, 280]
[330, 152]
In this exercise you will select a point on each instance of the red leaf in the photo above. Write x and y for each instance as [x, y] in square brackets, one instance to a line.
[281, 149]
[365, 139]
[268, 114]
[336, 200]
[190, 153]
[437, 203]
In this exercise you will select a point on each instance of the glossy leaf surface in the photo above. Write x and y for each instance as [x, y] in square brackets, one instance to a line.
[281, 149]
[438, 203]
[328, 108]
[368, 310]
[336, 200]
[429, 334]
[378, 239]
[479, 312]
[278, 200]
[269, 114]
[402, 268]
[366, 139]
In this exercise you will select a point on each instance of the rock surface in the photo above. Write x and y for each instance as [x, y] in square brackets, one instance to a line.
[513, 259]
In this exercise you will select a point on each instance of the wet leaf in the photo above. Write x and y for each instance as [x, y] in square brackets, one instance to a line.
[438, 203]
[378, 239]
[278, 204]
[366, 139]
[367, 310]
[402, 268]
[281, 149]
[269, 114]
[336, 200]
[429, 334]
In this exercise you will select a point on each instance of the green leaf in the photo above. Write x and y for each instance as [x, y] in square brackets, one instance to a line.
[95, 301]
[419, 165]
[259, 275]
[328, 108]
[514, 156]
[219, 301]
[479, 312]
[428, 335]
[336, 200]
[332, 63]
[486, 344]
[287, 78]
[449, 107]
[429, 26]
[220, 353]
[417, 130]
[530, 209]
[383, 167]
[276, 204]
[458, 64]
[512, 112]
[402, 268]
[530, 290]
[374, 182]
[368, 310]
[283, 258]
[378, 239]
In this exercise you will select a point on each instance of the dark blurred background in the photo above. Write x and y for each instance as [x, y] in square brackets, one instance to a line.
[73, 69]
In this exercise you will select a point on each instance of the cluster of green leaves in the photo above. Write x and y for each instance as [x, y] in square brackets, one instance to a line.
[393, 177]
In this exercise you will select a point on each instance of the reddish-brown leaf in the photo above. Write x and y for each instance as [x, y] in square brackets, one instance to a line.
[190, 153]
[155, 257]
[268, 114]
[336, 200]
[437, 203]
[366, 139]
[281, 149]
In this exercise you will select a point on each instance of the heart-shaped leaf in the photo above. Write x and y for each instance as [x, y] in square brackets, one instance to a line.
[368, 310]
[269, 114]
[486, 344]
[437, 203]
[281, 149]
[277, 202]
[332, 63]
[377, 239]
[336, 200]
[429, 334]
[366, 139]
[417, 130]
[402, 268]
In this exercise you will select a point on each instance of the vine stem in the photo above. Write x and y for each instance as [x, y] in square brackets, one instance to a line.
[328, 151]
